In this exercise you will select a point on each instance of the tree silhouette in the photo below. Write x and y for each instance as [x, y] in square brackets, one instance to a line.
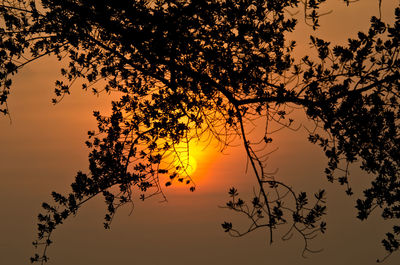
[186, 69]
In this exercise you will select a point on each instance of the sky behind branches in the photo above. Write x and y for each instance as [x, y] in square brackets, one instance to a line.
[43, 148]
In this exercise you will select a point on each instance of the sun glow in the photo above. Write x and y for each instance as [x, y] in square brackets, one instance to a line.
[190, 161]
[185, 164]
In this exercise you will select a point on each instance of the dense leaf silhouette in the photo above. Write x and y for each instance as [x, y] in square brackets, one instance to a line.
[188, 69]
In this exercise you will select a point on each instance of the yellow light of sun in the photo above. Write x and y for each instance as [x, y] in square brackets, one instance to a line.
[191, 161]
[185, 165]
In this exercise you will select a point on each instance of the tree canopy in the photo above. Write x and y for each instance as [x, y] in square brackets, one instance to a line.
[186, 69]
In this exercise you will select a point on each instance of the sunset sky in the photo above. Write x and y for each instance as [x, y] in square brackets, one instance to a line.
[42, 148]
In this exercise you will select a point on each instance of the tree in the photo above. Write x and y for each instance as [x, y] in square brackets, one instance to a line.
[186, 69]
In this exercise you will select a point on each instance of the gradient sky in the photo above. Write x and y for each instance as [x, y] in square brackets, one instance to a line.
[43, 149]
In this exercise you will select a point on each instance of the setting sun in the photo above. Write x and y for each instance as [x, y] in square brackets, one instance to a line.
[191, 161]
[185, 164]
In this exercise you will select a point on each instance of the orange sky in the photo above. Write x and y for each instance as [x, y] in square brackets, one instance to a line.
[43, 148]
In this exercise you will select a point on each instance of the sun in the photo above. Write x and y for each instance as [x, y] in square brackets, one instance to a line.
[185, 164]
[188, 162]
[186, 159]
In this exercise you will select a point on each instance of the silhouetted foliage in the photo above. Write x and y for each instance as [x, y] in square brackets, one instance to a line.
[191, 68]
